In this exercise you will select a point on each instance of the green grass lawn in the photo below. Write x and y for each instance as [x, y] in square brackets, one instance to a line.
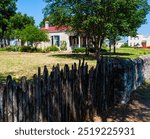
[131, 52]
[20, 64]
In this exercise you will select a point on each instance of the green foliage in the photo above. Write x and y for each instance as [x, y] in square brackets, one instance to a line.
[99, 19]
[10, 48]
[20, 49]
[50, 48]
[20, 21]
[104, 46]
[33, 35]
[29, 49]
[17, 23]
[47, 18]
[79, 50]
[7, 9]
[63, 45]
[25, 49]
[53, 48]
[125, 45]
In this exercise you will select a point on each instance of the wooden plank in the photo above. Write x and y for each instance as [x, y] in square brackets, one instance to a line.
[9, 99]
[15, 107]
[24, 87]
[2, 87]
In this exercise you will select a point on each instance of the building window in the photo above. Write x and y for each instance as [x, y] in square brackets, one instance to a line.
[55, 40]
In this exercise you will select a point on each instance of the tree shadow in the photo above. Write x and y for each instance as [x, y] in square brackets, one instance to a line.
[2, 78]
[121, 54]
[91, 56]
[75, 56]
[137, 109]
[117, 54]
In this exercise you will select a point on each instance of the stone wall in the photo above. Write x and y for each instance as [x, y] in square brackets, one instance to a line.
[129, 74]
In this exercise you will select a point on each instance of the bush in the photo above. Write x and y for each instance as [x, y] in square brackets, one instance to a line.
[51, 48]
[125, 45]
[25, 49]
[91, 50]
[10, 48]
[63, 45]
[29, 49]
[79, 50]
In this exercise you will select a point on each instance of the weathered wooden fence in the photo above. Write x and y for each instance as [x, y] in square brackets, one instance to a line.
[73, 94]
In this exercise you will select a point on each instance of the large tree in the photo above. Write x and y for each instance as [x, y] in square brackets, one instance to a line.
[128, 16]
[42, 23]
[98, 19]
[33, 35]
[7, 9]
[17, 24]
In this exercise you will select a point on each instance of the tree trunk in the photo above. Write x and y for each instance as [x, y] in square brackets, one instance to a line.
[99, 48]
[97, 54]
[22, 43]
[110, 43]
[1, 42]
[114, 45]
[8, 42]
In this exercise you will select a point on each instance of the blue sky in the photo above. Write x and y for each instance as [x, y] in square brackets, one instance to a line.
[34, 8]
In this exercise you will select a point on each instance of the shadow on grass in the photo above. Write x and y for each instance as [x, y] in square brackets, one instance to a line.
[89, 57]
[120, 54]
[75, 56]
[3, 79]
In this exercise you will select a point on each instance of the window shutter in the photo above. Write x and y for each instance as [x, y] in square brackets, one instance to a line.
[58, 41]
[52, 41]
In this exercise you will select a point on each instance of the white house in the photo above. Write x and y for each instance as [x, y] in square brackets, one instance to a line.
[73, 40]
[139, 41]
[60, 34]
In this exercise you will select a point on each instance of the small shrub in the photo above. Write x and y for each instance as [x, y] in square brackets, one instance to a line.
[51, 48]
[25, 49]
[63, 45]
[91, 50]
[125, 45]
[79, 50]
[10, 48]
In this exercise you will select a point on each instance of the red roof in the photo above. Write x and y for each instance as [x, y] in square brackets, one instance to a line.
[54, 29]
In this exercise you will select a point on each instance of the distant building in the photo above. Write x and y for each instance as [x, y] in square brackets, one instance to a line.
[139, 41]
[72, 39]
[60, 34]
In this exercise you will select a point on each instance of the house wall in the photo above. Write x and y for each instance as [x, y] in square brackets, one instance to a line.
[63, 37]
[137, 41]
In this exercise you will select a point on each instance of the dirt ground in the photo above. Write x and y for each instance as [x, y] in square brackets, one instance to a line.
[137, 110]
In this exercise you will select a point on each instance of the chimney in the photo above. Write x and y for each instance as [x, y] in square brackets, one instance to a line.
[46, 24]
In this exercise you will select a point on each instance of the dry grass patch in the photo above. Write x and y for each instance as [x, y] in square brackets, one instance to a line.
[25, 64]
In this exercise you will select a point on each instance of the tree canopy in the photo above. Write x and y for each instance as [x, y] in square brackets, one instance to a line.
[99, 19]
[17, 23]
[33, 35]
[7, 9]
[17, 26]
